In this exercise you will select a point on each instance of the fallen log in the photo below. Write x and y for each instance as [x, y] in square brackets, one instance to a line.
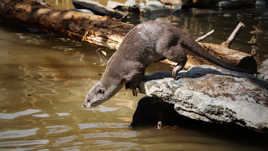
[230, 54]
[101, 30]
[97, 8]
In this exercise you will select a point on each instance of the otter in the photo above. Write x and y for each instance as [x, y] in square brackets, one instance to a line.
[145, 44]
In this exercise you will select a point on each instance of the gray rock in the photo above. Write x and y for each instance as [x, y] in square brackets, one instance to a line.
[263, 71]
[214, 95]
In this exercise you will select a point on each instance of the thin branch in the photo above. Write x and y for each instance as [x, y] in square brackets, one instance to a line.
[204, 36]
[228, 42]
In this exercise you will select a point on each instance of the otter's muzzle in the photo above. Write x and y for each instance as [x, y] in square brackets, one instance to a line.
[86, 105]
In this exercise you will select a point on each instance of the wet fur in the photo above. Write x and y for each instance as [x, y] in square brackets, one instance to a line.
[146, 43]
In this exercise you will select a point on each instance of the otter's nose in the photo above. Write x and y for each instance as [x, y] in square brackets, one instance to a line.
[86, 105]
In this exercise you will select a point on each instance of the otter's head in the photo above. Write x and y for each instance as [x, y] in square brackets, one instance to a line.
[96, 95]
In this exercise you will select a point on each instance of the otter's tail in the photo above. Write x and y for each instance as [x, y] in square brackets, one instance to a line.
[247, 64]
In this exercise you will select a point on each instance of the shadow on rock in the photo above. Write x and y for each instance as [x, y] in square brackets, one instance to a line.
[151, 110]
[203, 70]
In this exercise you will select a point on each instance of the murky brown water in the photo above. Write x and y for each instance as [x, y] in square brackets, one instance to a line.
[44, 79]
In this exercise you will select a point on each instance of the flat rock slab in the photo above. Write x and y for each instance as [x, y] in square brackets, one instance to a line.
[214, 95]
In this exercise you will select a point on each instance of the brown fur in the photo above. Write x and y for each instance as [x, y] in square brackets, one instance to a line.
[146, 43]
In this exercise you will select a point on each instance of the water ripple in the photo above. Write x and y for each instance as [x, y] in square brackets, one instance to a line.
[10, 116]
[63, 140]
[44, 115]
[109, 144]
[18, 133]
[24, 143]
[58, 129]
[73, 148]
[111, 135]
[63, 114]
[17, 149]
[103, 125]
[102, 108]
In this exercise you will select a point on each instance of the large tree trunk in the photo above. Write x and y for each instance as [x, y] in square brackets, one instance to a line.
[102, 31]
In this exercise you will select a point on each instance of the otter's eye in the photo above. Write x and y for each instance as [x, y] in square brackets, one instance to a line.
[101, 91]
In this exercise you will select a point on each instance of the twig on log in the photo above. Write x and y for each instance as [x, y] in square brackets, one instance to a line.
[228, 42]
[204, 36]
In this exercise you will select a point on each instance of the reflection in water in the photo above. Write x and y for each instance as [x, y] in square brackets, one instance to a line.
[9, 116]
[23, 143]
[58, 129]
[102, 108]
[18, 133]
[63, 114]
[102, 125]
[61, 4]
[63, 140]
[106, 145]
[41, 115]
[111, 135]
[43, 82]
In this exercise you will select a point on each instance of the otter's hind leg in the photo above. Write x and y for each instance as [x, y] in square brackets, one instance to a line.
[177, 69]
[176, 54]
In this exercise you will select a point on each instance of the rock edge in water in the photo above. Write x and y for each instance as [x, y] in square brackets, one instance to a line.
[214, 95]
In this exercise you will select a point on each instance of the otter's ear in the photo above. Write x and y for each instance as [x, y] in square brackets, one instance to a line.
[101, 91]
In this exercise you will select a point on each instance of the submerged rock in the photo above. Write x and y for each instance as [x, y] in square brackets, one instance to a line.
[214, 95]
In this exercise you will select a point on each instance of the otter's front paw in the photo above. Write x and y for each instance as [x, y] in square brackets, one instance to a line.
[134, 92]
[134, 86]
[176, 70]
